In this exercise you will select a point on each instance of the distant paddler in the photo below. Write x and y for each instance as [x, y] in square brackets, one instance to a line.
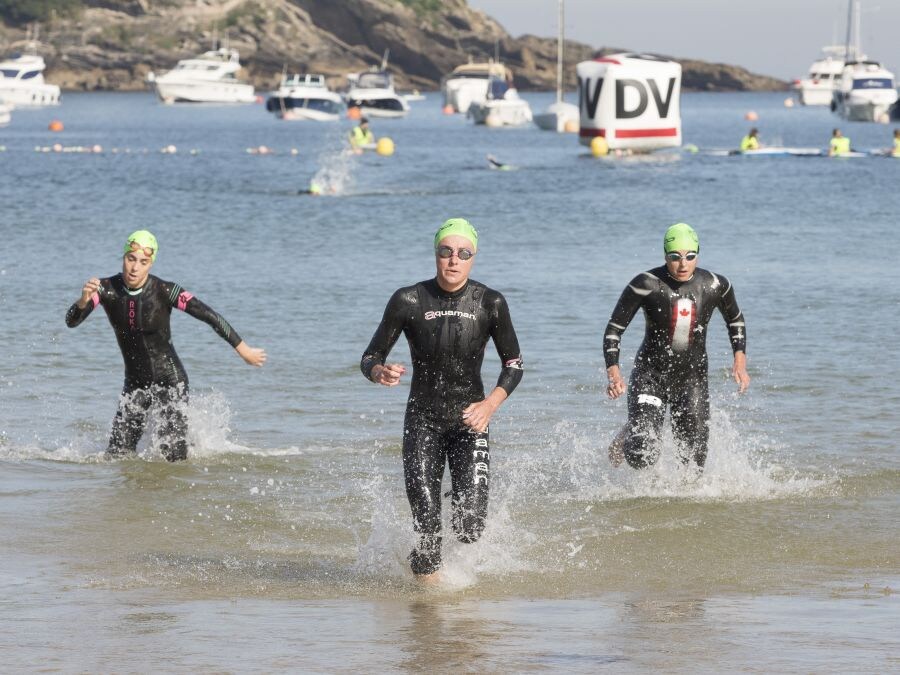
[361, 137]
[896, 151]
[750, 141]
[139, 306]
[840, 144]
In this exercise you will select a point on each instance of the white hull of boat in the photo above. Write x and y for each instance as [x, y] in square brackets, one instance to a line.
[23, 95]
[512, 113]
[557, 116]
[377, 103]
[864, 111]
[463, 92]
[205, 92]
[815, 94]
[295, 114]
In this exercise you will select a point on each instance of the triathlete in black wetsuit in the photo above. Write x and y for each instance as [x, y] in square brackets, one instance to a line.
[138, 306]
[447, 322]
[670, 369]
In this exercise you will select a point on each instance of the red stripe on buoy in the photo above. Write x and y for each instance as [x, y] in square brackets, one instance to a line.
[645, 133]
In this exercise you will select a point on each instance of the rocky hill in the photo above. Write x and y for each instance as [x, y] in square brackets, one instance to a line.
[113, 44]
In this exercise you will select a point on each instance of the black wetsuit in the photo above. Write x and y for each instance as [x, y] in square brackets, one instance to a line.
[671, 365]
[447, 335]
[153, 371]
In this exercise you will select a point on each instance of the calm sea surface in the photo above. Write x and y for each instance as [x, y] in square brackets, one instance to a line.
[280, 544]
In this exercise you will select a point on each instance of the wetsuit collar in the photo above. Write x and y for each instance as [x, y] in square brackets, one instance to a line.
[134, 291]
[450, 294]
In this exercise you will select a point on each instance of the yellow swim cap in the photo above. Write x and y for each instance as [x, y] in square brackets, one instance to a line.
[681, 237]
[142, 239]
[460, 227]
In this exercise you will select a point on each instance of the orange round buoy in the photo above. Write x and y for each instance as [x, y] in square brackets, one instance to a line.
[751, 116]
[55, 125]
[571, 127]
[354, 113]
[448, 109]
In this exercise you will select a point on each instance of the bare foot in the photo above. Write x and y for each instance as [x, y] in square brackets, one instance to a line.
[432, 579]
[616, 448]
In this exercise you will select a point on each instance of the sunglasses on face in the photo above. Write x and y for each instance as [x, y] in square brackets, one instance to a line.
[134, 246]
[675, 256]
[447, 252]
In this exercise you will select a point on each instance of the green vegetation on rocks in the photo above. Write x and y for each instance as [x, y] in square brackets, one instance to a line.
[18, 12]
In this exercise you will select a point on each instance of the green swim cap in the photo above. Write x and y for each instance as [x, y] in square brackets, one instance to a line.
[142, 239]
[681, 237]
[457, 226]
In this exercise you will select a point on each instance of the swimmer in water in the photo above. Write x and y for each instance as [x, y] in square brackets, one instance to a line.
[670, 369]
[138, 306]
[447, 321]
[495, 163]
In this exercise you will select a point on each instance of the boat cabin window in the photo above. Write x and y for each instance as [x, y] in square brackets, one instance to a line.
[873, 83]
[374, 81]
[29, 75]
[10, 73]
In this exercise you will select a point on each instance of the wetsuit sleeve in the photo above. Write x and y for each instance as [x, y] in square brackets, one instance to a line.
[507, 344]
[76, 314]
[737, 329]
[627, 306]
[187, 303]
[386, 334]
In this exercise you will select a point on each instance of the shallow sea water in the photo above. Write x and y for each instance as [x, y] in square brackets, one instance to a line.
[280, 544]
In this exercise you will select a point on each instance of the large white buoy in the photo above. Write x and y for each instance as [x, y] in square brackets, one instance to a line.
[632, 100]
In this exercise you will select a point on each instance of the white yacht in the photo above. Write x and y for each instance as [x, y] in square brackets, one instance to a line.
[559, 115]
[817, 87]
[866, 92]
[468, 84]
[502, 107]
[373, 93]
[208, 78]
[305, 97]
[22, 81]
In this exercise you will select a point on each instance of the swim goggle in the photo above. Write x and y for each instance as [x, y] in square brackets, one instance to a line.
[447, 252]
[134, 246]
[675, 256]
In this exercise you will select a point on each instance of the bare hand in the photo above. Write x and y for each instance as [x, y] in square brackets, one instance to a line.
[251, 355]
[91, 286]
[388, 374]
[739, 372]
[477, 416]
[616, 386]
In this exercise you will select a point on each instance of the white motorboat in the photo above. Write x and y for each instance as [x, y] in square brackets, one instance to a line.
[373, 93]
[559, 116]
[208, 78]
[22, 80]
[502, 107]
[818, 86]
[866, 92]
[305, 97]
[5, 116]
[468, 84]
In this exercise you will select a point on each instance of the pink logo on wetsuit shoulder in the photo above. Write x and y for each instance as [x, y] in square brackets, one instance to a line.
[183, 299]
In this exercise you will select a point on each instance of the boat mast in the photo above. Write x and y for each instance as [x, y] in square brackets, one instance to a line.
[559, 51]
